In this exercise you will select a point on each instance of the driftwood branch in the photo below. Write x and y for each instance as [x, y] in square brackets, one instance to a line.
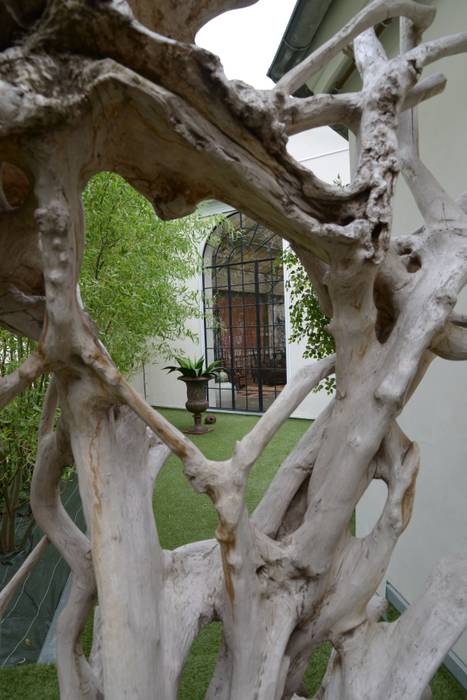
[7, 593]
[373, 13]
[15, 383]
[182, 22]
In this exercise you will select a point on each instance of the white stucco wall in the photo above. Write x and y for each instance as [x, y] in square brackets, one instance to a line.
[161, 388]
[327, 154]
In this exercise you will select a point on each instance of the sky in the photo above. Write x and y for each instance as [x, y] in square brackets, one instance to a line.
[246, 40]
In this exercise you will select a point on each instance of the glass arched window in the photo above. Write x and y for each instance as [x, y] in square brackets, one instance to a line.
[243, 291]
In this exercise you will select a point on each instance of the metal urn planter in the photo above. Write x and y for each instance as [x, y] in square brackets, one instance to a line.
[197, 403]
[196, 377]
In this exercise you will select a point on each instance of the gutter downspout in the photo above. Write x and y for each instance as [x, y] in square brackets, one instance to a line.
[298, 36]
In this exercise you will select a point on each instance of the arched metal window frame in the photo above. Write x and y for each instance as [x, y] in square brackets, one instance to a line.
[219, 258]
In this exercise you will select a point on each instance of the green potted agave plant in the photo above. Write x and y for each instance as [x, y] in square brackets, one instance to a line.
[196, 377]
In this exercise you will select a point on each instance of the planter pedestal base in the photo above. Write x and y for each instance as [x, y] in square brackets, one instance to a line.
[197, 430]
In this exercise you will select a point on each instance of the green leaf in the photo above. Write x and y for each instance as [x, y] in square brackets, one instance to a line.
[307, 321]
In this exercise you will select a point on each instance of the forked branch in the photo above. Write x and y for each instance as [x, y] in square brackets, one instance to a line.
[301, 114]
[7, 593]
[252, 445]
[182, 21]
[15, 383]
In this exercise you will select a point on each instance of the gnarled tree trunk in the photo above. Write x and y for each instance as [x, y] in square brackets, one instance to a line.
[120, 85]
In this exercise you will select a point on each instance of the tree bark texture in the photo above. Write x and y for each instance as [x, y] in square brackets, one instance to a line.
[92, 85]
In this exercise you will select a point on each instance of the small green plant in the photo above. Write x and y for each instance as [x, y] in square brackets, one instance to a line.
[195, 368]
[136, 272]
[18, 442]
[307, 321]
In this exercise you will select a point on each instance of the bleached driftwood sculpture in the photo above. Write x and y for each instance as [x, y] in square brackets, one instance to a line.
[91, 85]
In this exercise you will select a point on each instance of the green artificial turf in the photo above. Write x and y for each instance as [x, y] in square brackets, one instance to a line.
[184, 516]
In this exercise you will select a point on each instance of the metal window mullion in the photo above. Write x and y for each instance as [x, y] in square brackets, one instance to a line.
[258, 338]
[229, 292]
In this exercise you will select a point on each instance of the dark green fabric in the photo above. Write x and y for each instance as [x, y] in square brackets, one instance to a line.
[26, 622]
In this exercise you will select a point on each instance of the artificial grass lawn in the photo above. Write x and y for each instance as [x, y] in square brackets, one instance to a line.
[184, 516]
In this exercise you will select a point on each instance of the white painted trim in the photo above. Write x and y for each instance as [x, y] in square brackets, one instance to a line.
[323, 155]
[202, 344]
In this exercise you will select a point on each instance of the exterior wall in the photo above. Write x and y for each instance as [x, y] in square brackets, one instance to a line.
[435, 417]
[161, 388]
[327, 153]
[332, 75]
